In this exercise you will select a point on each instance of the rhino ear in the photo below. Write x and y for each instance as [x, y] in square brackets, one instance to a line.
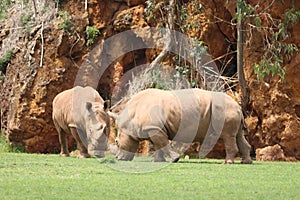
[89, 106]
[106, 105]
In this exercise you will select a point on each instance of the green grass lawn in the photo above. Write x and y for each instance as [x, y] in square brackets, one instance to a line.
[36, 176]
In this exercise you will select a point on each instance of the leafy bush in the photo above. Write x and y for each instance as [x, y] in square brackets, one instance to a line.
[277, 51]
[25, 19]
[6, 148]
[4, 6]
[5, 60]
[91, 34]
[66, 24]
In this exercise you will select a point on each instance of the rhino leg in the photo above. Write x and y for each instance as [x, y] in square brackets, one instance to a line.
[244, 148]
[63, 141]
[158, 155]
[83, 152]
[127, 147]
[161, 143]
[231, 148]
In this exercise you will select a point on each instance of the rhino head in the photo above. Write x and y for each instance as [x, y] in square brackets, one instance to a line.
[127, 146]
[97, 127]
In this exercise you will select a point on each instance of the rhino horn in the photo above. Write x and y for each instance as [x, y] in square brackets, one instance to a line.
[113, 115]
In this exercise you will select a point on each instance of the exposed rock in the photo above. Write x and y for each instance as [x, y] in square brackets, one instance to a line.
[30, 86]
[270, 153]
[129, 19]
[274, 117]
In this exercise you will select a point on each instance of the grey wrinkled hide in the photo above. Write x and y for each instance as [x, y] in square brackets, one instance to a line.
[187, 116]
[81, 112]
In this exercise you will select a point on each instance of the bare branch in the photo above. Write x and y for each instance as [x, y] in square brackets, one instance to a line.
[42, 50]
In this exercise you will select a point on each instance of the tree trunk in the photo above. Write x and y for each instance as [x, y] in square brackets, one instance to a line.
[240, 64]
[34, 8]
[168, 37]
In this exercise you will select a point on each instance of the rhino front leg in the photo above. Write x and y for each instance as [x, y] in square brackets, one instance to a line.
[158, 155]
[63, 142]
[83, 152]
[161, 143]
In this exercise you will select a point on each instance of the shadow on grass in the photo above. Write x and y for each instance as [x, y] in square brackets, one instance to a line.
[214, 161]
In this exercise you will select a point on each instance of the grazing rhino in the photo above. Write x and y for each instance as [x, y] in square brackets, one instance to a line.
[81, 111]
[187, 115]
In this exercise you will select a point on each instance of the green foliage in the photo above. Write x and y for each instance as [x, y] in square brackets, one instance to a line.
[66, 24]
[161, 80]
[277, 51]
[185, 12]
[116, 132]
[188, 70]
[32, 176]
[26, 2]
[4, 6]
[244, 10]
[25, 19]
[291, 16]
[6, 148]
[91, 34]
[4, 61]
[155, 12]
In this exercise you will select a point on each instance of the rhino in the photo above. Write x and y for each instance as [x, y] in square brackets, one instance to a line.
[186, 115]
[82, 112]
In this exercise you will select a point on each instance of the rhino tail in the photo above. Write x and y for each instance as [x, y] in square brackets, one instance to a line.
[243, 126]
[243, 145]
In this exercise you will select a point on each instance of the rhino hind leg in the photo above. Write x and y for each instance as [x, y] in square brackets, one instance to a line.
[231, 148]
[83, 152]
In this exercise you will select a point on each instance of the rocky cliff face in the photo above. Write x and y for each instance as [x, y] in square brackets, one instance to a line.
[53, 56]
[274, 118]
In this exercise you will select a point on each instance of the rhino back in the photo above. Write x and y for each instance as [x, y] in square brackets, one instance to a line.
[175, 112]
[191, 120]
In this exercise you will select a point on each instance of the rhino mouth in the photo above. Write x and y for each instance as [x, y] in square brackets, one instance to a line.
[99, 154]
[124, 155]
[120, 153]
[125, 158]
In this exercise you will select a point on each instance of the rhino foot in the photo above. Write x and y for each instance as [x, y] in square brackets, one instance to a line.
[64, 154]
[159, 156]
[174, 157]
[159, 159]
[246, 161]
[175, 160]
[228, 162]
[83, 155]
